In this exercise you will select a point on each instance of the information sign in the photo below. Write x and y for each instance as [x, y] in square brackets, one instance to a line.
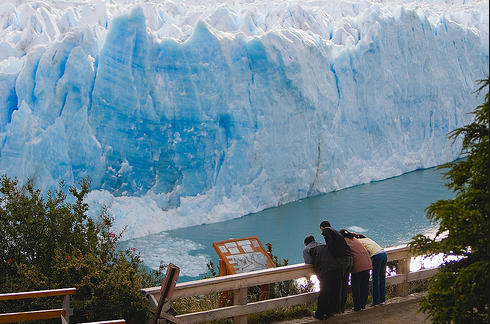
[243, 255]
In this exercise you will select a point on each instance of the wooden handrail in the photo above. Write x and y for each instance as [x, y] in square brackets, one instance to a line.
[240, 282]
[47, 313]
[64, 312]
[397, 253]
[236, 281]
[39, 293]
[32, 315]
[121, 321]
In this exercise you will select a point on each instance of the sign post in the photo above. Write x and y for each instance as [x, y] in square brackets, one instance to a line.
[166, 291]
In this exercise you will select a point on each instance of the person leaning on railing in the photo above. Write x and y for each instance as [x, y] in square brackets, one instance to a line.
[361, 266]
[327, 272]
[341, 252]
[379, 260]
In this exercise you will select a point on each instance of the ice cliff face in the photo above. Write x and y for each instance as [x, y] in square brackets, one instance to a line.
[198, 111]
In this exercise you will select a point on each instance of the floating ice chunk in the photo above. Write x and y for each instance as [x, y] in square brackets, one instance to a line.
[357, 229]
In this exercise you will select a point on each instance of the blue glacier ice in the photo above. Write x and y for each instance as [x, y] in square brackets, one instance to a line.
[197, 111]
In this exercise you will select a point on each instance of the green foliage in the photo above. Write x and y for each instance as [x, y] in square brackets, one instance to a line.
[459, 292]
[50, 243]
[211, 271]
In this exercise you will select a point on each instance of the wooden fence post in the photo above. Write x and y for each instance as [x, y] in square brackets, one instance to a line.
[66, 307]
[225, 297]
[240, 298]
[403, 269]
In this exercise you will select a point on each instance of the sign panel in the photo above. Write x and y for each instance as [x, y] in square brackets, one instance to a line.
[243, 255]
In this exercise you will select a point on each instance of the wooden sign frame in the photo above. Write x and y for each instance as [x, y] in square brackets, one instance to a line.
[243, 255]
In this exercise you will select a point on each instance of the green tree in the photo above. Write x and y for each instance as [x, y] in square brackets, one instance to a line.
[459, 293]
[51, 243]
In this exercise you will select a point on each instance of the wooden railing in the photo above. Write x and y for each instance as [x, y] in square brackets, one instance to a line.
[63, 312]
[239, 283]
[108, 322]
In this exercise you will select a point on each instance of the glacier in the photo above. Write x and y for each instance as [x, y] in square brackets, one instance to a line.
[197, 111]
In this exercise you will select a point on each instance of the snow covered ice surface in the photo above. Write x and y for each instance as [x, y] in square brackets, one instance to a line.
[189, 112]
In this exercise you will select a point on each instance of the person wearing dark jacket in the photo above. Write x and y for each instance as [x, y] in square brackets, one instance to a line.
[341, 252]
[328, 275]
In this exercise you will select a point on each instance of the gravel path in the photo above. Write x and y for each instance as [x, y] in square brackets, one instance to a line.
[398, 310]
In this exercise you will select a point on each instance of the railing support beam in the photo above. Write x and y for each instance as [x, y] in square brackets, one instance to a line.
[403, 270]
[240, 298]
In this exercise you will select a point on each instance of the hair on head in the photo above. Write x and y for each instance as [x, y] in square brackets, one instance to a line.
[325, 223]
[346, 233]
[309, 239]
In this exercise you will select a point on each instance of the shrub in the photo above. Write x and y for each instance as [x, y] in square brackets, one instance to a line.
[459, 292]
[51, 243]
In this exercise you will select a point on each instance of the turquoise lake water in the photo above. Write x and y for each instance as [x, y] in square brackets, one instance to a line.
[390, 211]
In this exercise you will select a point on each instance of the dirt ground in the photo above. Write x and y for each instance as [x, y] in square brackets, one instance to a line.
[398, 310]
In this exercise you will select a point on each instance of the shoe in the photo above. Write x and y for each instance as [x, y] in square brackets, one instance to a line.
[356, 309]
[318, 316]
[374, 305]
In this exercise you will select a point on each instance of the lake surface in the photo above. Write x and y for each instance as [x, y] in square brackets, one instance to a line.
[390, 211]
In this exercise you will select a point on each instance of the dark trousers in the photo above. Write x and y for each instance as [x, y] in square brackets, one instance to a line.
[345, 264]
[360, 289]
[329, 293]
[379, 277]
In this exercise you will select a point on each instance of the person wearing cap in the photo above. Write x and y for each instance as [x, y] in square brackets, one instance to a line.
[361, 267]
[328, 275]
[341, 252]
[379, 260]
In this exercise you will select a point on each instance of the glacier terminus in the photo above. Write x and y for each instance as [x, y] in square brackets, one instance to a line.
[197, 111]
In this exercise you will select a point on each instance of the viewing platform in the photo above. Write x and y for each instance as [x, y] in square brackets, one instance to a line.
[238, 283]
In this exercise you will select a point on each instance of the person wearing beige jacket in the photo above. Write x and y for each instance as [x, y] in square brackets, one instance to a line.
[379, 260]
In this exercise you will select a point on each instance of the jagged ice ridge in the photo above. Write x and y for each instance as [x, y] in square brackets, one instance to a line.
[191, 112]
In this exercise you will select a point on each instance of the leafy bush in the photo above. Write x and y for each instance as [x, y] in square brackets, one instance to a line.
[50, 243]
